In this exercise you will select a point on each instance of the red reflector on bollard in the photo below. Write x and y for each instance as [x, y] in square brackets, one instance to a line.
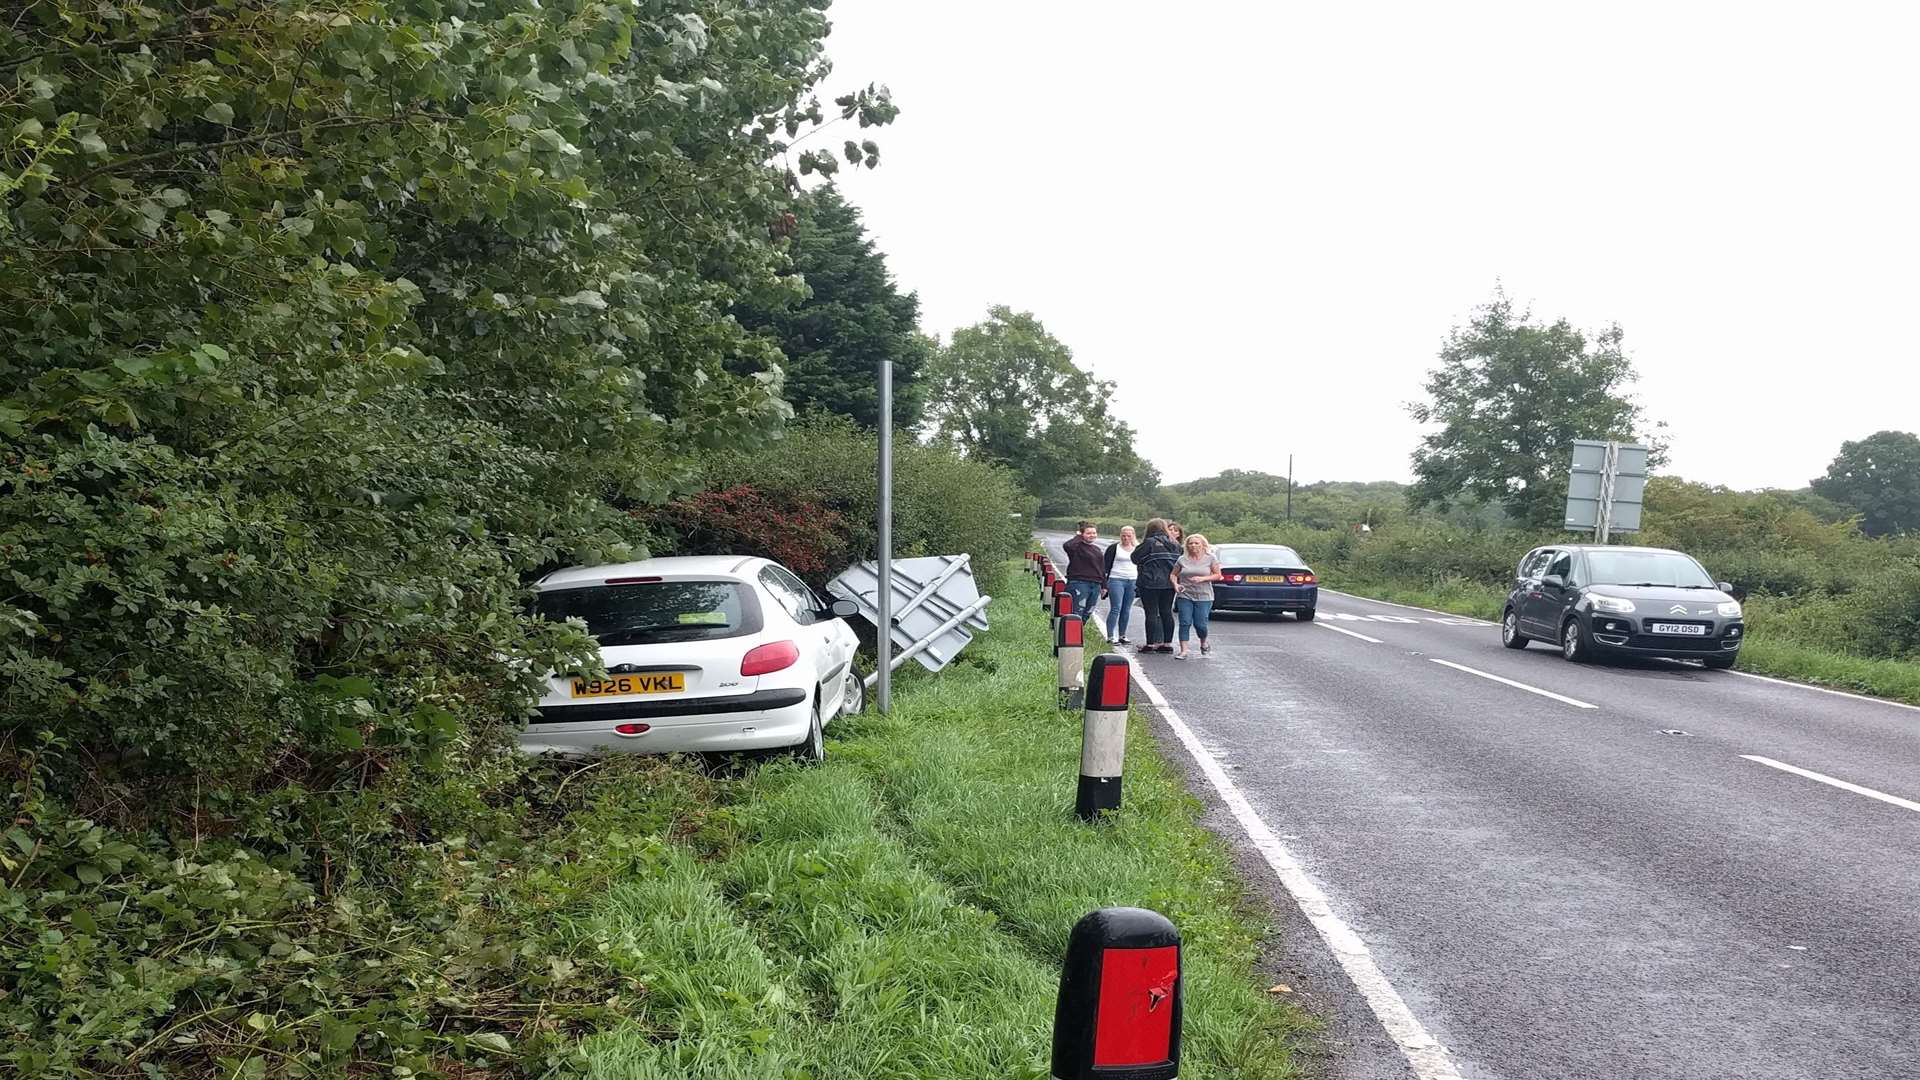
[1062, 604]
[1135, 1024]
[1120, 1005]
[1107, 689]
[1073, 632]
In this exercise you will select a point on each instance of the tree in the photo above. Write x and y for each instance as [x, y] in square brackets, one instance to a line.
[1007, 391]
[1879, 476]
[329, 326]
[851, 317]
[1510, 397]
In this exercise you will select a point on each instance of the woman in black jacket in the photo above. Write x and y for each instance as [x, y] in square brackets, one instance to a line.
[1156, 557]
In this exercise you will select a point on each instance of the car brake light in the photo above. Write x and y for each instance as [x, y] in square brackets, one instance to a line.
[631, 580]
[632, 729]
[1234, 577]
[777, 656]
[1302, 579]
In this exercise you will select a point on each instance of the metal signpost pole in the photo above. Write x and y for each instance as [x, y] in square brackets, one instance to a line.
[1609, 474]
[1289, 489]
[883, 600]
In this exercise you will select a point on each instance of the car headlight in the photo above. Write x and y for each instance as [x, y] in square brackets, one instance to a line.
[1611, 603]
[1730, 609]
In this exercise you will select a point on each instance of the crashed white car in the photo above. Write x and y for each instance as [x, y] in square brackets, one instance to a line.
[708, 654]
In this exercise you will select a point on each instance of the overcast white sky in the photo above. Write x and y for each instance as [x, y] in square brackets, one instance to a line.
[1261, 218]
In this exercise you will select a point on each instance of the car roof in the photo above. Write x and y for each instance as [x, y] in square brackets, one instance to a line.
[1609, 547]
[673, 566]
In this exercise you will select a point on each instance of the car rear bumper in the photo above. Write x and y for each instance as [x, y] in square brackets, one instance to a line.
[1265, 597]
[758, 721]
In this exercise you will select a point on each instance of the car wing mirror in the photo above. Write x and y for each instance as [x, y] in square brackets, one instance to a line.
[1731, 589]
[843, 609]
[1554, 581]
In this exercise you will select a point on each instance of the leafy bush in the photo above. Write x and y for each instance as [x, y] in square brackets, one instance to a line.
[800, 534]
[131, 956]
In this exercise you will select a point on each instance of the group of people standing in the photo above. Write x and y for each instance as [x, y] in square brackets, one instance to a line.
[1170, 572]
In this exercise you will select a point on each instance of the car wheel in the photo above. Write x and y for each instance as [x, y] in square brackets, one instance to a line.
[1305, 616]
[812, 750]
[1721, 663]
[853, 700]
[1510, 634]
[1573, 642]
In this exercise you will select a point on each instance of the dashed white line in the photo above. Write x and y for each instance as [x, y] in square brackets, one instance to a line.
[1409, 607]
[1516, 685]
[1349, 633]
[1892, 800]
[1428, 1059]
[1825, 690]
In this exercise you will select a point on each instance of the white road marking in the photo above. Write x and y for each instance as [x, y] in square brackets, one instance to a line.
[1516, 685]
[1892, 800]
[1409, 607]
[1349, 633]
[1429, 1060]
[1402, 619]
[1825, 690]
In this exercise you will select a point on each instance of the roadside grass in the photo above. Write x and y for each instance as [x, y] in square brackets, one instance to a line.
[902, 910]
[1766, 652]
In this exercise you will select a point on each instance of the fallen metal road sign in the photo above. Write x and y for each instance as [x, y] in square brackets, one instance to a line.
[936, 606]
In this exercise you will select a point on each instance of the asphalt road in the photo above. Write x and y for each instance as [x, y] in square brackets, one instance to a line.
[1602, 883]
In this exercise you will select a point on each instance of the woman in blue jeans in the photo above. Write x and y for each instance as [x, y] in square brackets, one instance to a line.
[1122, 577]
[1193, 580]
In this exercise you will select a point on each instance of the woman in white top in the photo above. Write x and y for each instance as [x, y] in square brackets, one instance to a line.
[1123, 579]
[1193, 579]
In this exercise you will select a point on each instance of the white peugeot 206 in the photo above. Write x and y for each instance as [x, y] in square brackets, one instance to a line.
[706, 654]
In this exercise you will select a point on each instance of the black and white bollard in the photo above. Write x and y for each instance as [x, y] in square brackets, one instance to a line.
[1062, 607]
[1069, 652]
[1103, 737]
[1047, 583]
[1118, 1015]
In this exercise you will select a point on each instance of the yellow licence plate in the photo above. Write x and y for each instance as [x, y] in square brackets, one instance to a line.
[654, 682]
[1268, 579]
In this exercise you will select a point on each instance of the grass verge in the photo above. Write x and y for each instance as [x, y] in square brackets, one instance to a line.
[902, 910]
[1765, 652]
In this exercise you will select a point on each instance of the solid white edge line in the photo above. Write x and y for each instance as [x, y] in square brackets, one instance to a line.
[1516, 685]
[1825, 690]
[1409, 607]
[1892, 800]
[1349, 633]
[1428, 1059]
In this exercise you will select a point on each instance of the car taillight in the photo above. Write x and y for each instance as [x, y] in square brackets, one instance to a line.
[765, 659]
[1233, 577]
[1302, 579]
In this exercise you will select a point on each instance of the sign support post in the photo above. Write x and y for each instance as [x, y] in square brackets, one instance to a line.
[883, 600]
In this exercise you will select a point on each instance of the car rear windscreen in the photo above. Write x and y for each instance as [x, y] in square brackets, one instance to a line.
[653, 612]
[1646, 568]
[1258, 556]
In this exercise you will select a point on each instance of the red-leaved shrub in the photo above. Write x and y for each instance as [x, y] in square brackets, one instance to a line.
[802, 535]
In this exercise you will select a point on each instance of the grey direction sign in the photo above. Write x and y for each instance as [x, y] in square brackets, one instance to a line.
[1615, 473]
